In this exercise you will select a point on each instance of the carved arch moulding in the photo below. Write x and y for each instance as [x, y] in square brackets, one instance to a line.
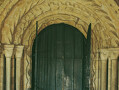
[84, 13]
[29, 35]
[21, 31]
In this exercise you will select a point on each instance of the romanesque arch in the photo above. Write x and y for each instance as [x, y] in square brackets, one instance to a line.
[18, 19]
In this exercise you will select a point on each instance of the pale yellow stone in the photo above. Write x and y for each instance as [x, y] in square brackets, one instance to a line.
[18, 24]
[109, 73]
[8, 49]
[18, 55]
[1, 71]
[12, 73]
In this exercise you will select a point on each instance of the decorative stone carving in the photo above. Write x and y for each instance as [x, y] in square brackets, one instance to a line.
[95, 71]
[113, 53]
[22, 18]
[8, 50]
[110, 54]
[103, 54]
[19, 51]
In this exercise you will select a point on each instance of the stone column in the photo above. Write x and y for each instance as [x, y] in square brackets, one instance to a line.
[113, 66]
[103, 58]
[118, 73]
[1, 67]
[109, 73]
[97, 73]
[8, 50]
[18, 55]
[13, 73]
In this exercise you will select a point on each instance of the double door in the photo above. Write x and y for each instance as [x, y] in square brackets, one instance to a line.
[60, 59]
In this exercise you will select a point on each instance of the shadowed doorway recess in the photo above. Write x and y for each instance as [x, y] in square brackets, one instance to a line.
[61, 62]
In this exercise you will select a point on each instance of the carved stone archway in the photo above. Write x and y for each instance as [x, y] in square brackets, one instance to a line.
[18, 18]
[29, 37]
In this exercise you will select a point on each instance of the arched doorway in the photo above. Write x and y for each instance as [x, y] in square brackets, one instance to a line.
[60, 59]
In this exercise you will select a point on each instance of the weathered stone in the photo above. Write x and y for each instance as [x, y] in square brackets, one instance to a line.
[18, 24]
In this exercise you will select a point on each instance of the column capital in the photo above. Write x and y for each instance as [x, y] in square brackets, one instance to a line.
[112, 53]
[103, 54]
[8, 50]
[19, 51]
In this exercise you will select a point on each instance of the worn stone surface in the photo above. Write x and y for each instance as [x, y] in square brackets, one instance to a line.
[18, 18]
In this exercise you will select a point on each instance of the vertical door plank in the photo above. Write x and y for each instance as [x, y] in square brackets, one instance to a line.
[42, 60]
[51, 62]
[60, 57]
[45, 59]
[78, 74]
[53, 56]
[78, 45]
[38, 61]
[86, 67]
[78, 60]
[69, 58]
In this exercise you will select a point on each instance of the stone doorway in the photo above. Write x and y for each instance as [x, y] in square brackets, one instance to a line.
[60, 59]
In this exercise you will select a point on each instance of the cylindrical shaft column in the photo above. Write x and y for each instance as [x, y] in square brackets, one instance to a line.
[114, 69]
[8, 54]
[114, 84]
[1, 71]
[109, 73]
[103, 72]
[1, 67]
[118, 73]
[19, 52]
[8, 72]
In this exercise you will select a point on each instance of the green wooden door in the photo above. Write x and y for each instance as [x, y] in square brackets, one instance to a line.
[60, 54]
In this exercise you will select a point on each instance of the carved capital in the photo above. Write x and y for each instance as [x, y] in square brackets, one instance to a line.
[19, 51]
[8, 50]
[113, 53]
[103, 54]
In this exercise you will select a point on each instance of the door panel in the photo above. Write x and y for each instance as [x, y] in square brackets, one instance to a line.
[77, 74]
[60, 58]
[68, 58]
[86, 60]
